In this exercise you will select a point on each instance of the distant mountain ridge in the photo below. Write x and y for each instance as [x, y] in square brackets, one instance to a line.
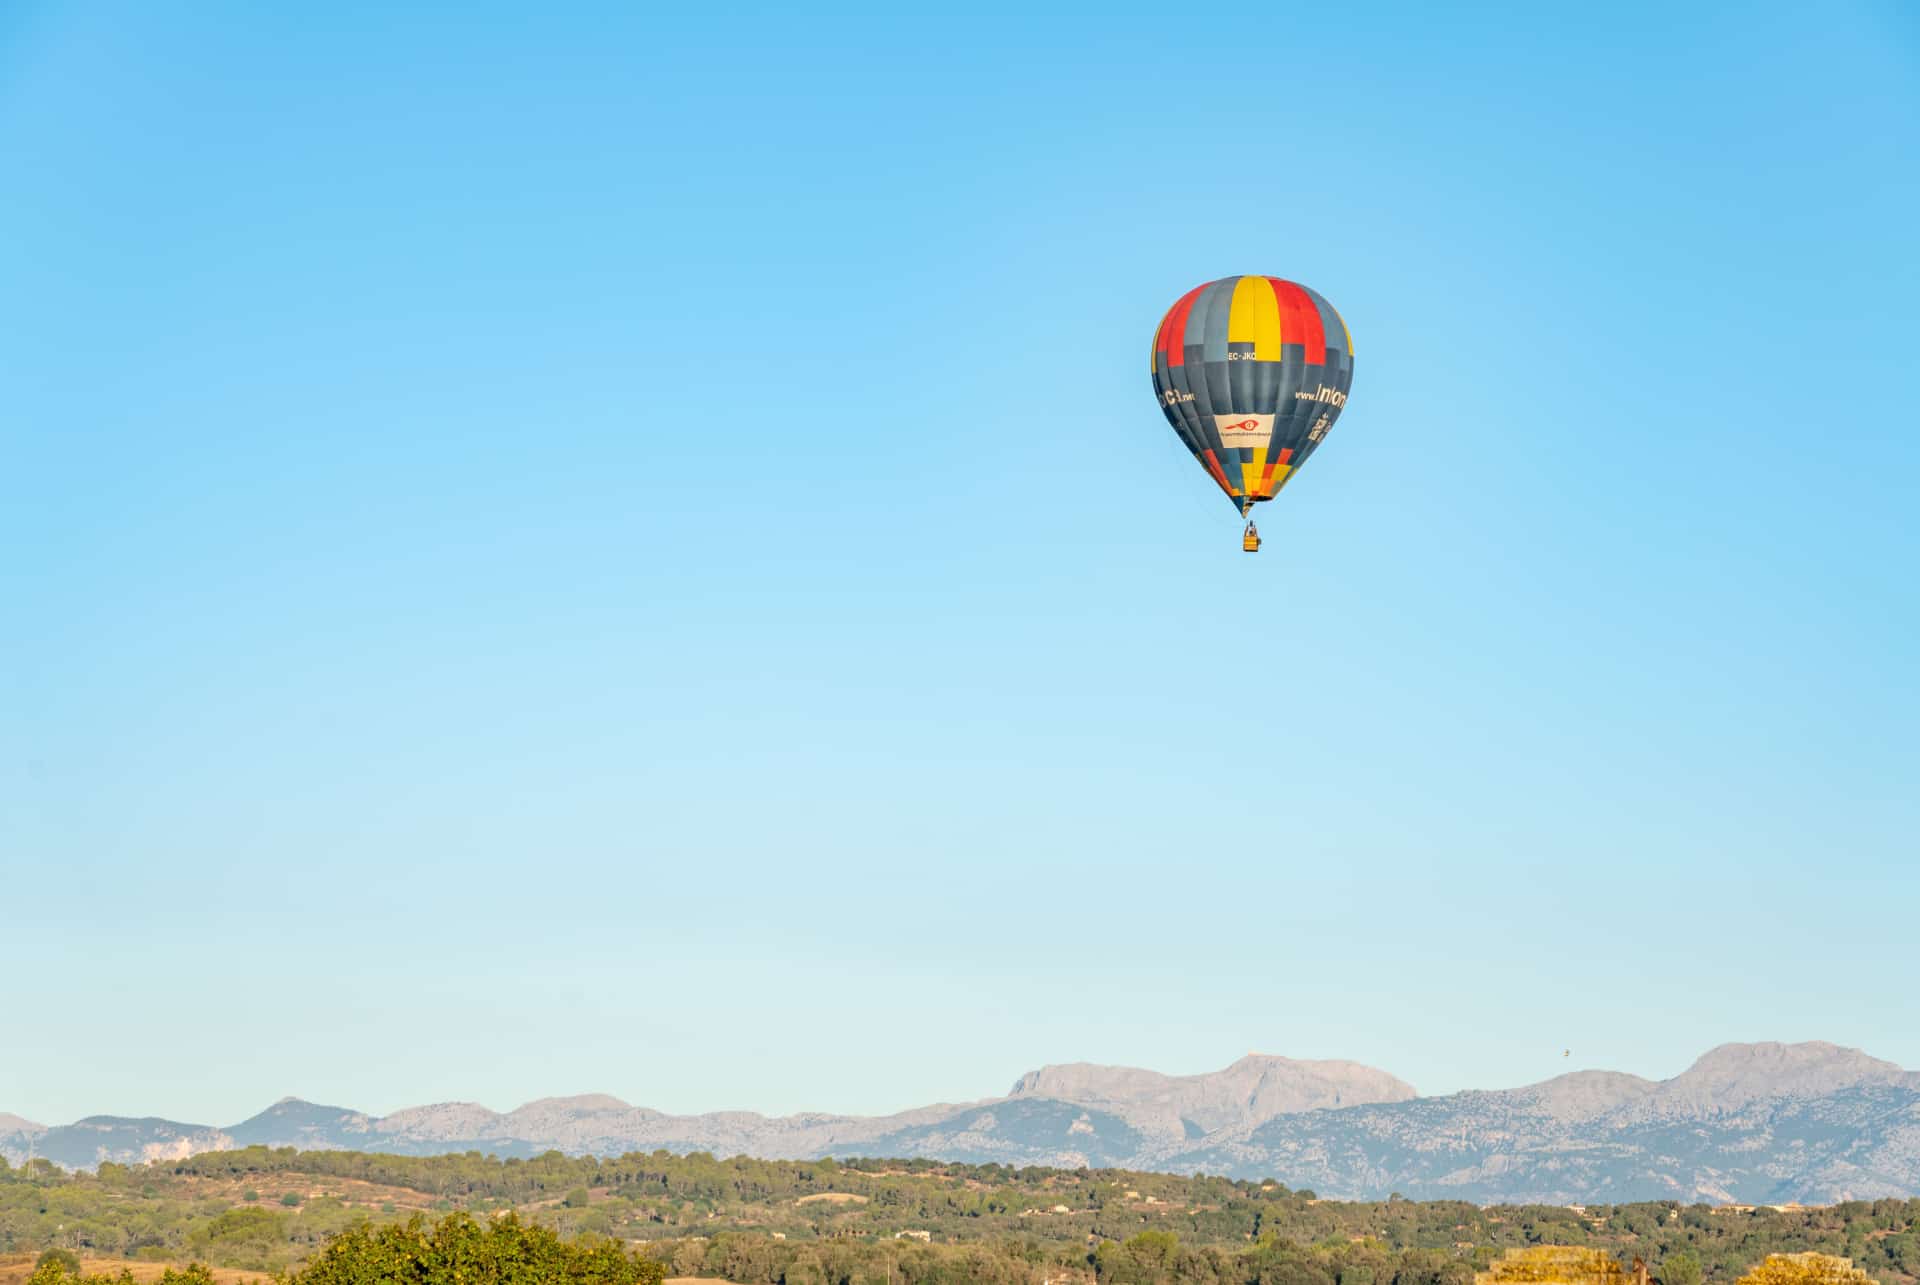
[1253, 1089]
[1755, 1123]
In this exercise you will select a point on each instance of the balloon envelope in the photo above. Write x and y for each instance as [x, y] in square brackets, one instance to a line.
[1252, 372]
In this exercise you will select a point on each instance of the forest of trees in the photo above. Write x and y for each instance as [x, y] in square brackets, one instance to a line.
[788, 1222]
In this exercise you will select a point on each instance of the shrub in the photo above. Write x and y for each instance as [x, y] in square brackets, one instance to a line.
[65, 1259]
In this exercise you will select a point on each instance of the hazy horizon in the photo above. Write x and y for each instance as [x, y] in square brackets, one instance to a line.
[506, 1107]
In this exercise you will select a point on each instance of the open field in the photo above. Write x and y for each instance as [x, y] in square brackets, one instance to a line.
[15, 1268]
[356, 1193]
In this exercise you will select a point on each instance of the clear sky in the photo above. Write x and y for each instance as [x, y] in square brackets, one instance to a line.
[630, 548]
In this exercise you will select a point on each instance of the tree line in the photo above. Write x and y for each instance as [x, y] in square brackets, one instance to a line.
[756, 1220]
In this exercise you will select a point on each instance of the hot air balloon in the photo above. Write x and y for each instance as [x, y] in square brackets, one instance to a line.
[1252, 372]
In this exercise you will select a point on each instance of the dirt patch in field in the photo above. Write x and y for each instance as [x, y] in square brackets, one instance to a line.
[272, 1186]
[832, 1198]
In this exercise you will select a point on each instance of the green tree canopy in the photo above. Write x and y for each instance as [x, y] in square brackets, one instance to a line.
[458, 1250]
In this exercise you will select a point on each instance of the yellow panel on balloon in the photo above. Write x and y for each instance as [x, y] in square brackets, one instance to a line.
[1254, 318]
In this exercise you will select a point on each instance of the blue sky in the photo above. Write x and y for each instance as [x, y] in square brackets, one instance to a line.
[623, 550]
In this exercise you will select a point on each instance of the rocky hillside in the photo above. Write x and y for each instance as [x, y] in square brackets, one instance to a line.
[1254, 1089]
[1748, 1123]
[16, 1134]
[1753, 1123]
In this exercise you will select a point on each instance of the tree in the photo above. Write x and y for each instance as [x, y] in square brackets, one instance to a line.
[459, 1249]
[1805, 1269]
[578, 1198]
[689, 1258]
[805, 1269]
[1680, 1269]
[1281, 1264]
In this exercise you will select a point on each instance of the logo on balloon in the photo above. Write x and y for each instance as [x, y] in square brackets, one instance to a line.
[1322, 394]
[1244, 430]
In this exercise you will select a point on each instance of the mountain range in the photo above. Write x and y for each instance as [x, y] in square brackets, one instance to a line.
[1747, 1123]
